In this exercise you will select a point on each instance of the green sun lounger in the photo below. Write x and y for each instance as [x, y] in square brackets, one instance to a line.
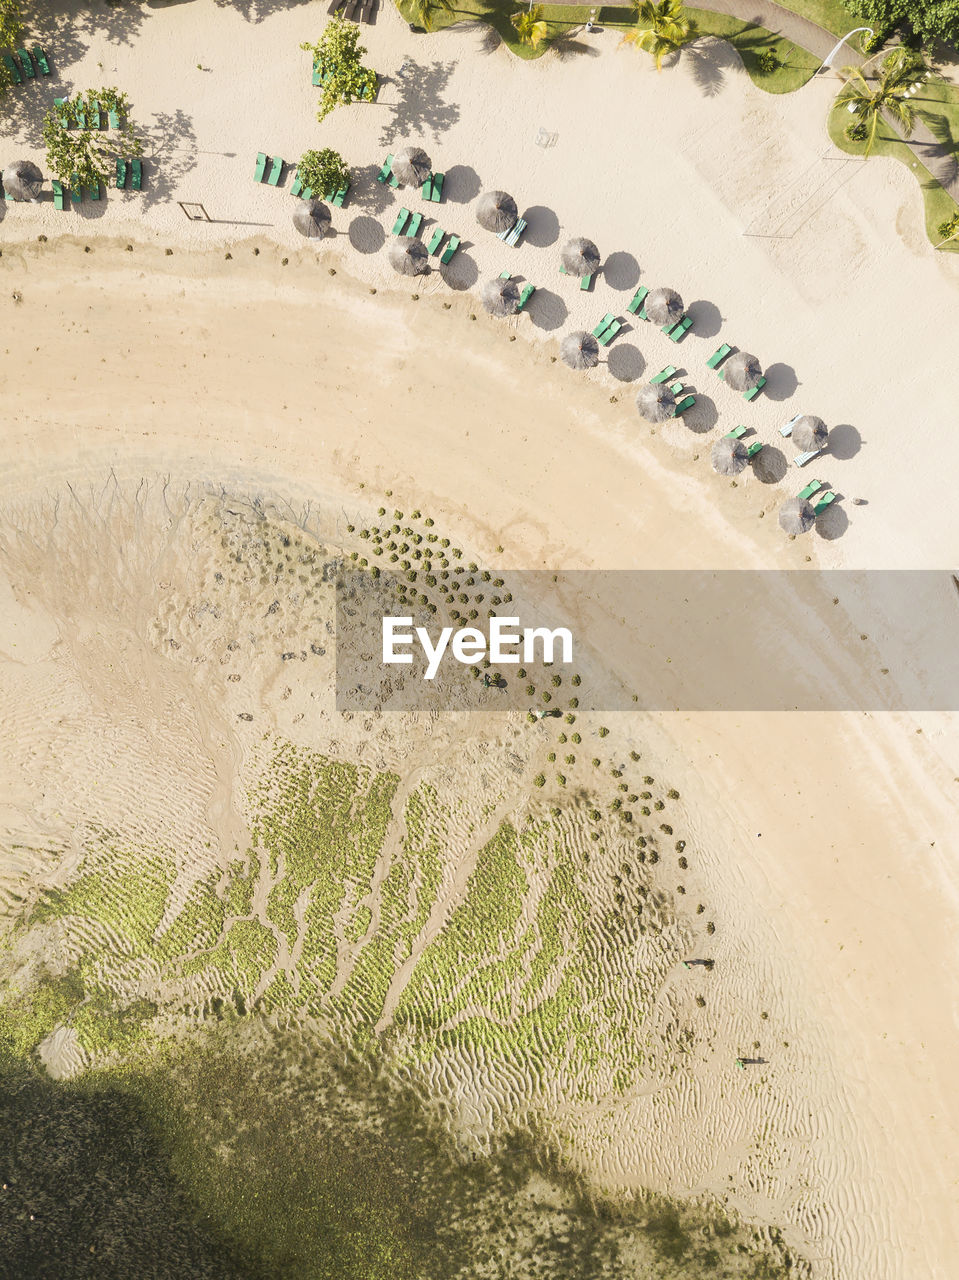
[756, 447]
[384, 173]
[676, 388]
[296, 186]
[664, 374]
[787, 430]
[435, 241]
[339, 197]
[684, 405]
[136, 174]
[680, 330]
[27, 63]
[95, 190]
[260, 169]
[637, 300]
[718, 356]
[65, 120]
[114, 117]
[737, 433]
[81, 114]
[524, 297]
[317, 78]
[12, 67]
[606, 321]
[454, 244]
[122, 169]
[433, 187]
[506, 275]
[76, 191]
[41, 56]
[824, 502]
[306, 193]
[59, 201]
[751, 395]
[400, 223]
[415, 223]
[606, 337]
[94, 115]
[812, 487]
[275, 170]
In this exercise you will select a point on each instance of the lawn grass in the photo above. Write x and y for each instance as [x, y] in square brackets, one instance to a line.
[938, 203]
[830, 14]
[797, 65]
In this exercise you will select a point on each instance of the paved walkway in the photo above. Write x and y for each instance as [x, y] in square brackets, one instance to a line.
[936, 157]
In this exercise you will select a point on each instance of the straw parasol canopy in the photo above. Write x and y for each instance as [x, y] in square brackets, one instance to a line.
[810, 433]
[408, 255]
[580, 256]
[729, 456]
[742, 371]
[580, 350]
[656, 402]
[664, 306]
[797, 516]
[500, 297]
[412, 166]
[496, 211]
[312, 218]
[22, 180]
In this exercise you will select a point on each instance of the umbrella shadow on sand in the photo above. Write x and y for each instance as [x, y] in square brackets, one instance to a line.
[621, 270]
[547, 310]
[542, 226]
[771, 465]
[461, 184]
[366, 234]
[706, 317]
[844, 442]
[833, 523]
[781, 381]
[460, 274]
[625, 362]
[702, 417]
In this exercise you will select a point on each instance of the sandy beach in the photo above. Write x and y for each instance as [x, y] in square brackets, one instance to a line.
[308, 374]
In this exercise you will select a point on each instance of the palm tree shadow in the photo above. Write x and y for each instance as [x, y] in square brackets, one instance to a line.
[565, 46]
[946, 147]
[711, 60]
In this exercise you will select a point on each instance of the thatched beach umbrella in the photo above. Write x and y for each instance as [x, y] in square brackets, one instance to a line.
[22, 180]
[500, 297]
[664, 306]
[729, 456]
[580, 350]
[496, 211]
[580, 256]
[797, 516]
[810, 433]
[742, 371]
[408, 255]
[412, 166]
[312, 218]
[656, 402]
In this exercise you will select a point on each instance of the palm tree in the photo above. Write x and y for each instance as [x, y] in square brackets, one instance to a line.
[530, 25]
[897, 72]
[661, 28]
[423, 13]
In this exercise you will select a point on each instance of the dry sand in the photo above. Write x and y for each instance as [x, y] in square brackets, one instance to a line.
[250, 373]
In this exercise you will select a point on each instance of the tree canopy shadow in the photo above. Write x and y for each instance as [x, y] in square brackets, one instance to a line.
[368, 194]
[421, 108]
[254, 11]
[566, 46]
[170, 153]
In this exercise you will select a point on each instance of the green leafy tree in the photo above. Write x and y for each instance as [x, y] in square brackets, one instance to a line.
[661, 28]
[930, 20]
[337, 58]
[91, 154]
[870, 99]
[11, 29]
[324, 172]
[530, 25]
[423, 13]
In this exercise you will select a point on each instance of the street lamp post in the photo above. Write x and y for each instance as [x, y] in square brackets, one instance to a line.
[827, 63]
